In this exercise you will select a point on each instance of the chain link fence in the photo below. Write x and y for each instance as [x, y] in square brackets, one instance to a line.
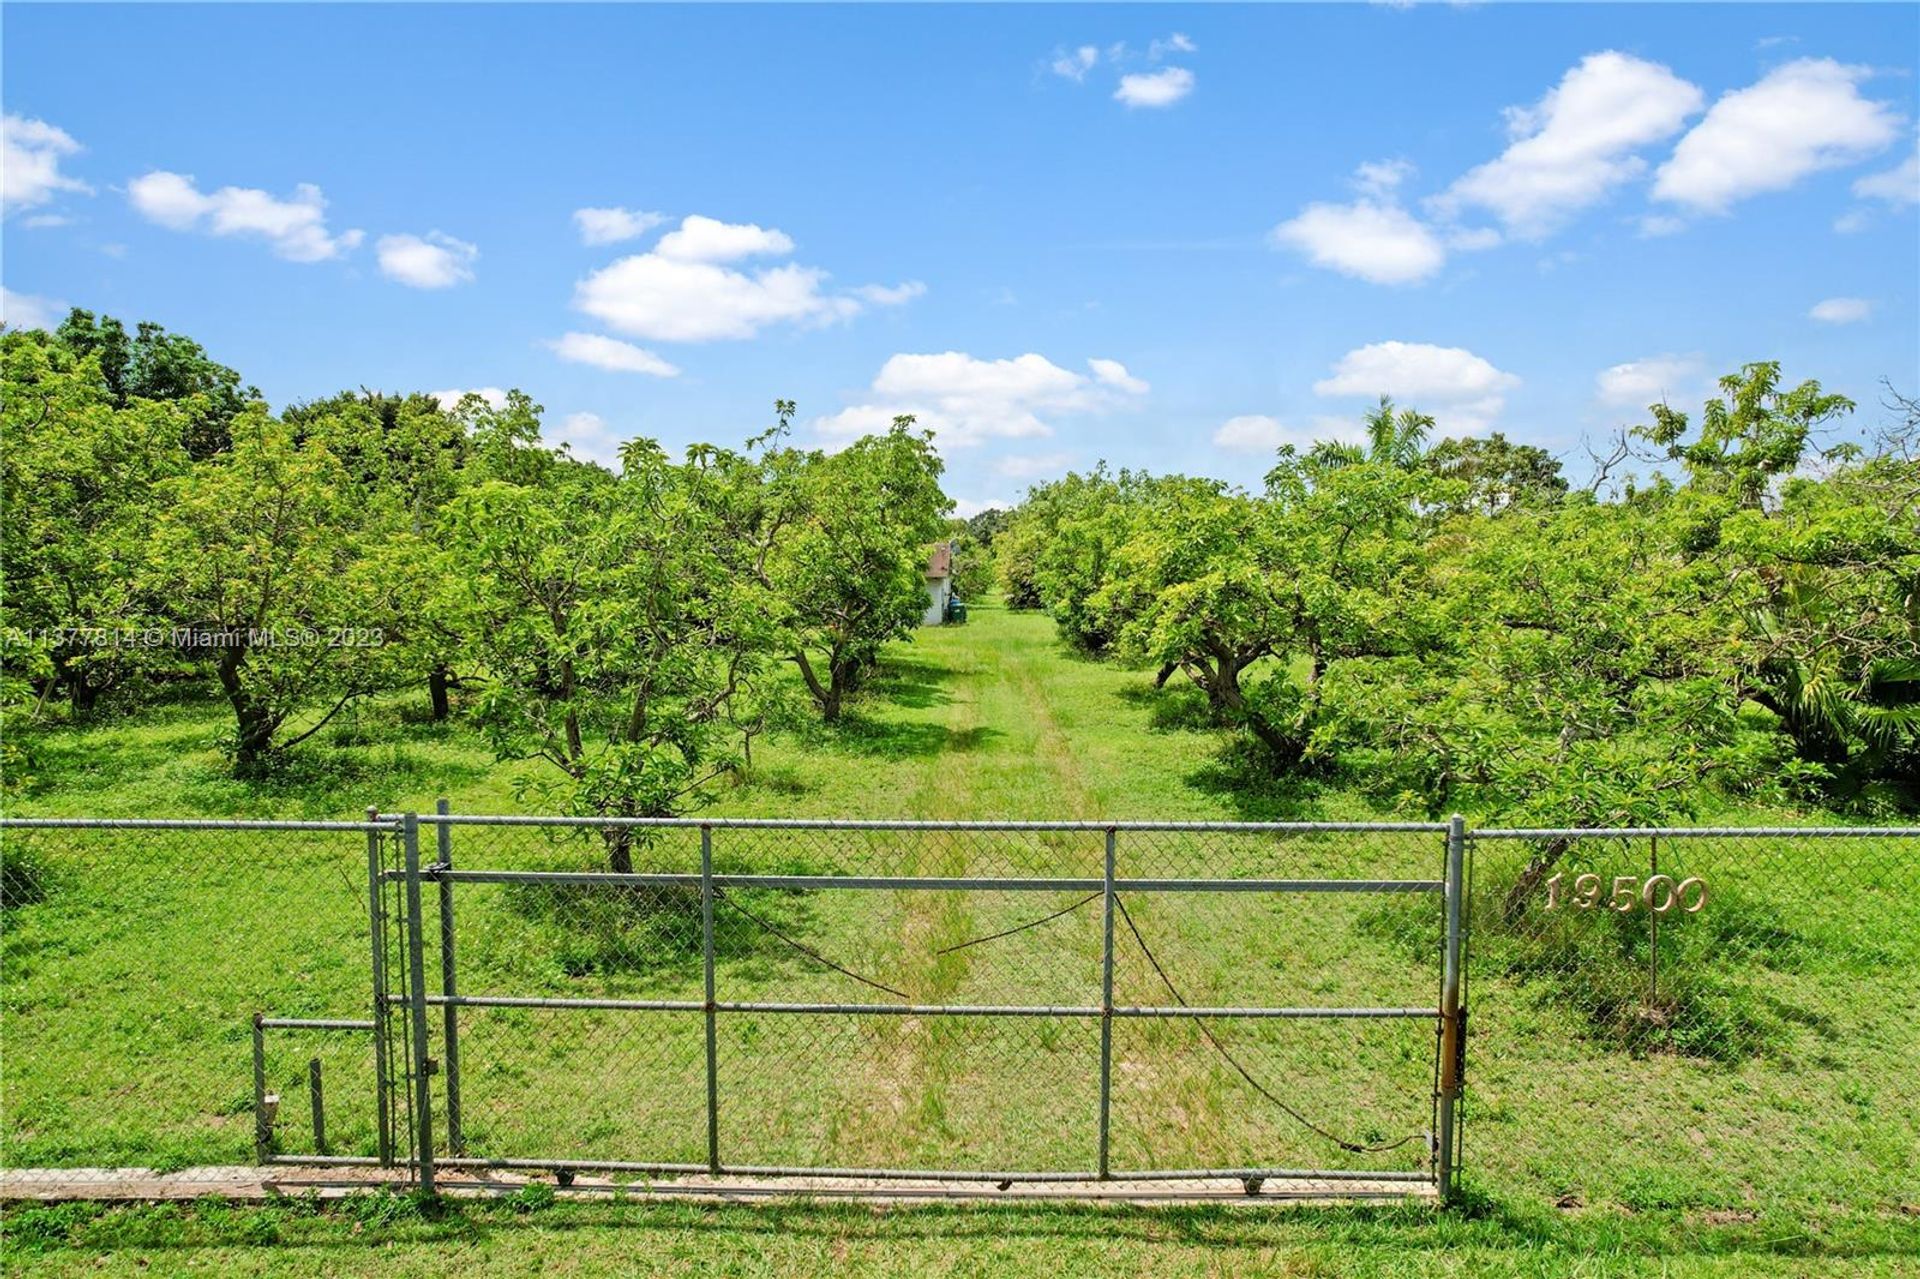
[134, 957]
[1723, 1020]
[1712, 1019]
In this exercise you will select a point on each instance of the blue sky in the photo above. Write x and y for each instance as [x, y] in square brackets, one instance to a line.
[1167, 237]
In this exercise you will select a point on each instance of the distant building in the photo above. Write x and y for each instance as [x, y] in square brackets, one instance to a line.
[939, 584]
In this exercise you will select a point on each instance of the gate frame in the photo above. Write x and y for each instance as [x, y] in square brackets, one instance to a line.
[1449, 1017]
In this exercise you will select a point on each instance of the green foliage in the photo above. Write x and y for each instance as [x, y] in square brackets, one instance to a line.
[535, 1196]
[840, 541]
[24, 878]
[617, 638]
[159, 366]
[162, 527]
[1497, 472]
[80, 488]
[973, 566]
[1454, 629]
[284, 583]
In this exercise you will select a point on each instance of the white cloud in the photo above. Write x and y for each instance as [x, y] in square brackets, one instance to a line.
[701, 239]
[432, 261]
[610, 226]
[30, 155]
[965, 400]
[1655, 379]
[966, 508]
[1797, 119]
[589, 436]
[1841, 310]
[1576, 144]
[655, 297]
[295, 229]
[1381, 178]
[1178, 42]
[1378, 242]
[1473, 239]
[1898, 185]
[1259, 433]
[30, 310]
[1073, 64]
[1114, 374]
[678, 292]
[1460, 389]
[494, 397]
[1160, 88]
[1027, 466]
[1251, 433]
[611, 354]
[1654, 225]
[40, 220]
[881, 295]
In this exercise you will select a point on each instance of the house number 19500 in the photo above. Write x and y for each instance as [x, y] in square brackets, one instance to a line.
[1657, 893]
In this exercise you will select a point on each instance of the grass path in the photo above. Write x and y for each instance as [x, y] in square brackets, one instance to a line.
[997, 737]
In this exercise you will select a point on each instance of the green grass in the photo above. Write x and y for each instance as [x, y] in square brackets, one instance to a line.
[1787, 1127]
[388, 1235]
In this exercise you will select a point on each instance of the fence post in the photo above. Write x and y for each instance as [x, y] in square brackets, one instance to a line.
[1451, 1045]
[713, 1048]
[417, 999]
[1106, 1002]
[262, 1121]
[376, 932]
[317, 1100]
[450, 1014]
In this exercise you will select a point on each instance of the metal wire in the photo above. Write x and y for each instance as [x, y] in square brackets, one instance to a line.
[808, 951]
[1220, 1048]
[1021, 928]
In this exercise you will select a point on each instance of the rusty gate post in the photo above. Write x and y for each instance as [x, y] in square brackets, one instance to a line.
[1452, 1044]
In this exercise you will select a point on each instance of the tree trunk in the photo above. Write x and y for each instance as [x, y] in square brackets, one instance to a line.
[437, 691]
[1223, 690]
[827, 696]
[619, 842]
[253, 722]
[1532, 877]
[842, 675]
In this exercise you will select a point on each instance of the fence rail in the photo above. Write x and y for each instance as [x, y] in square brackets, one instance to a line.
[1731, 1010]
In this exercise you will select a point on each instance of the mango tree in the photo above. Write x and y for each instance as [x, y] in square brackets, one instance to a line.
[847, 563]
[78, 498]
[613, 633]
[271, 576]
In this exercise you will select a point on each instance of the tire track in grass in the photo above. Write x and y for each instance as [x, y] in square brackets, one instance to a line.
[950, 1091]
[905, 1121]
[1008, 758]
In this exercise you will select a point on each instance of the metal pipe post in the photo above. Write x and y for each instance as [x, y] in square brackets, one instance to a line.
[417, 1000]
[713, 1038]
[315, 1096]
[1451, 1045]
[262, 1122]
[1106, 1004]
[376, 932]
[450, 1012]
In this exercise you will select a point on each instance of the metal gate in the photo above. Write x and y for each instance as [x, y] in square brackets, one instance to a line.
[393, 1037]
[869, 1004]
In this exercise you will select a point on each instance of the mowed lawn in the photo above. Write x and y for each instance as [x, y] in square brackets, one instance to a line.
[127, 991]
